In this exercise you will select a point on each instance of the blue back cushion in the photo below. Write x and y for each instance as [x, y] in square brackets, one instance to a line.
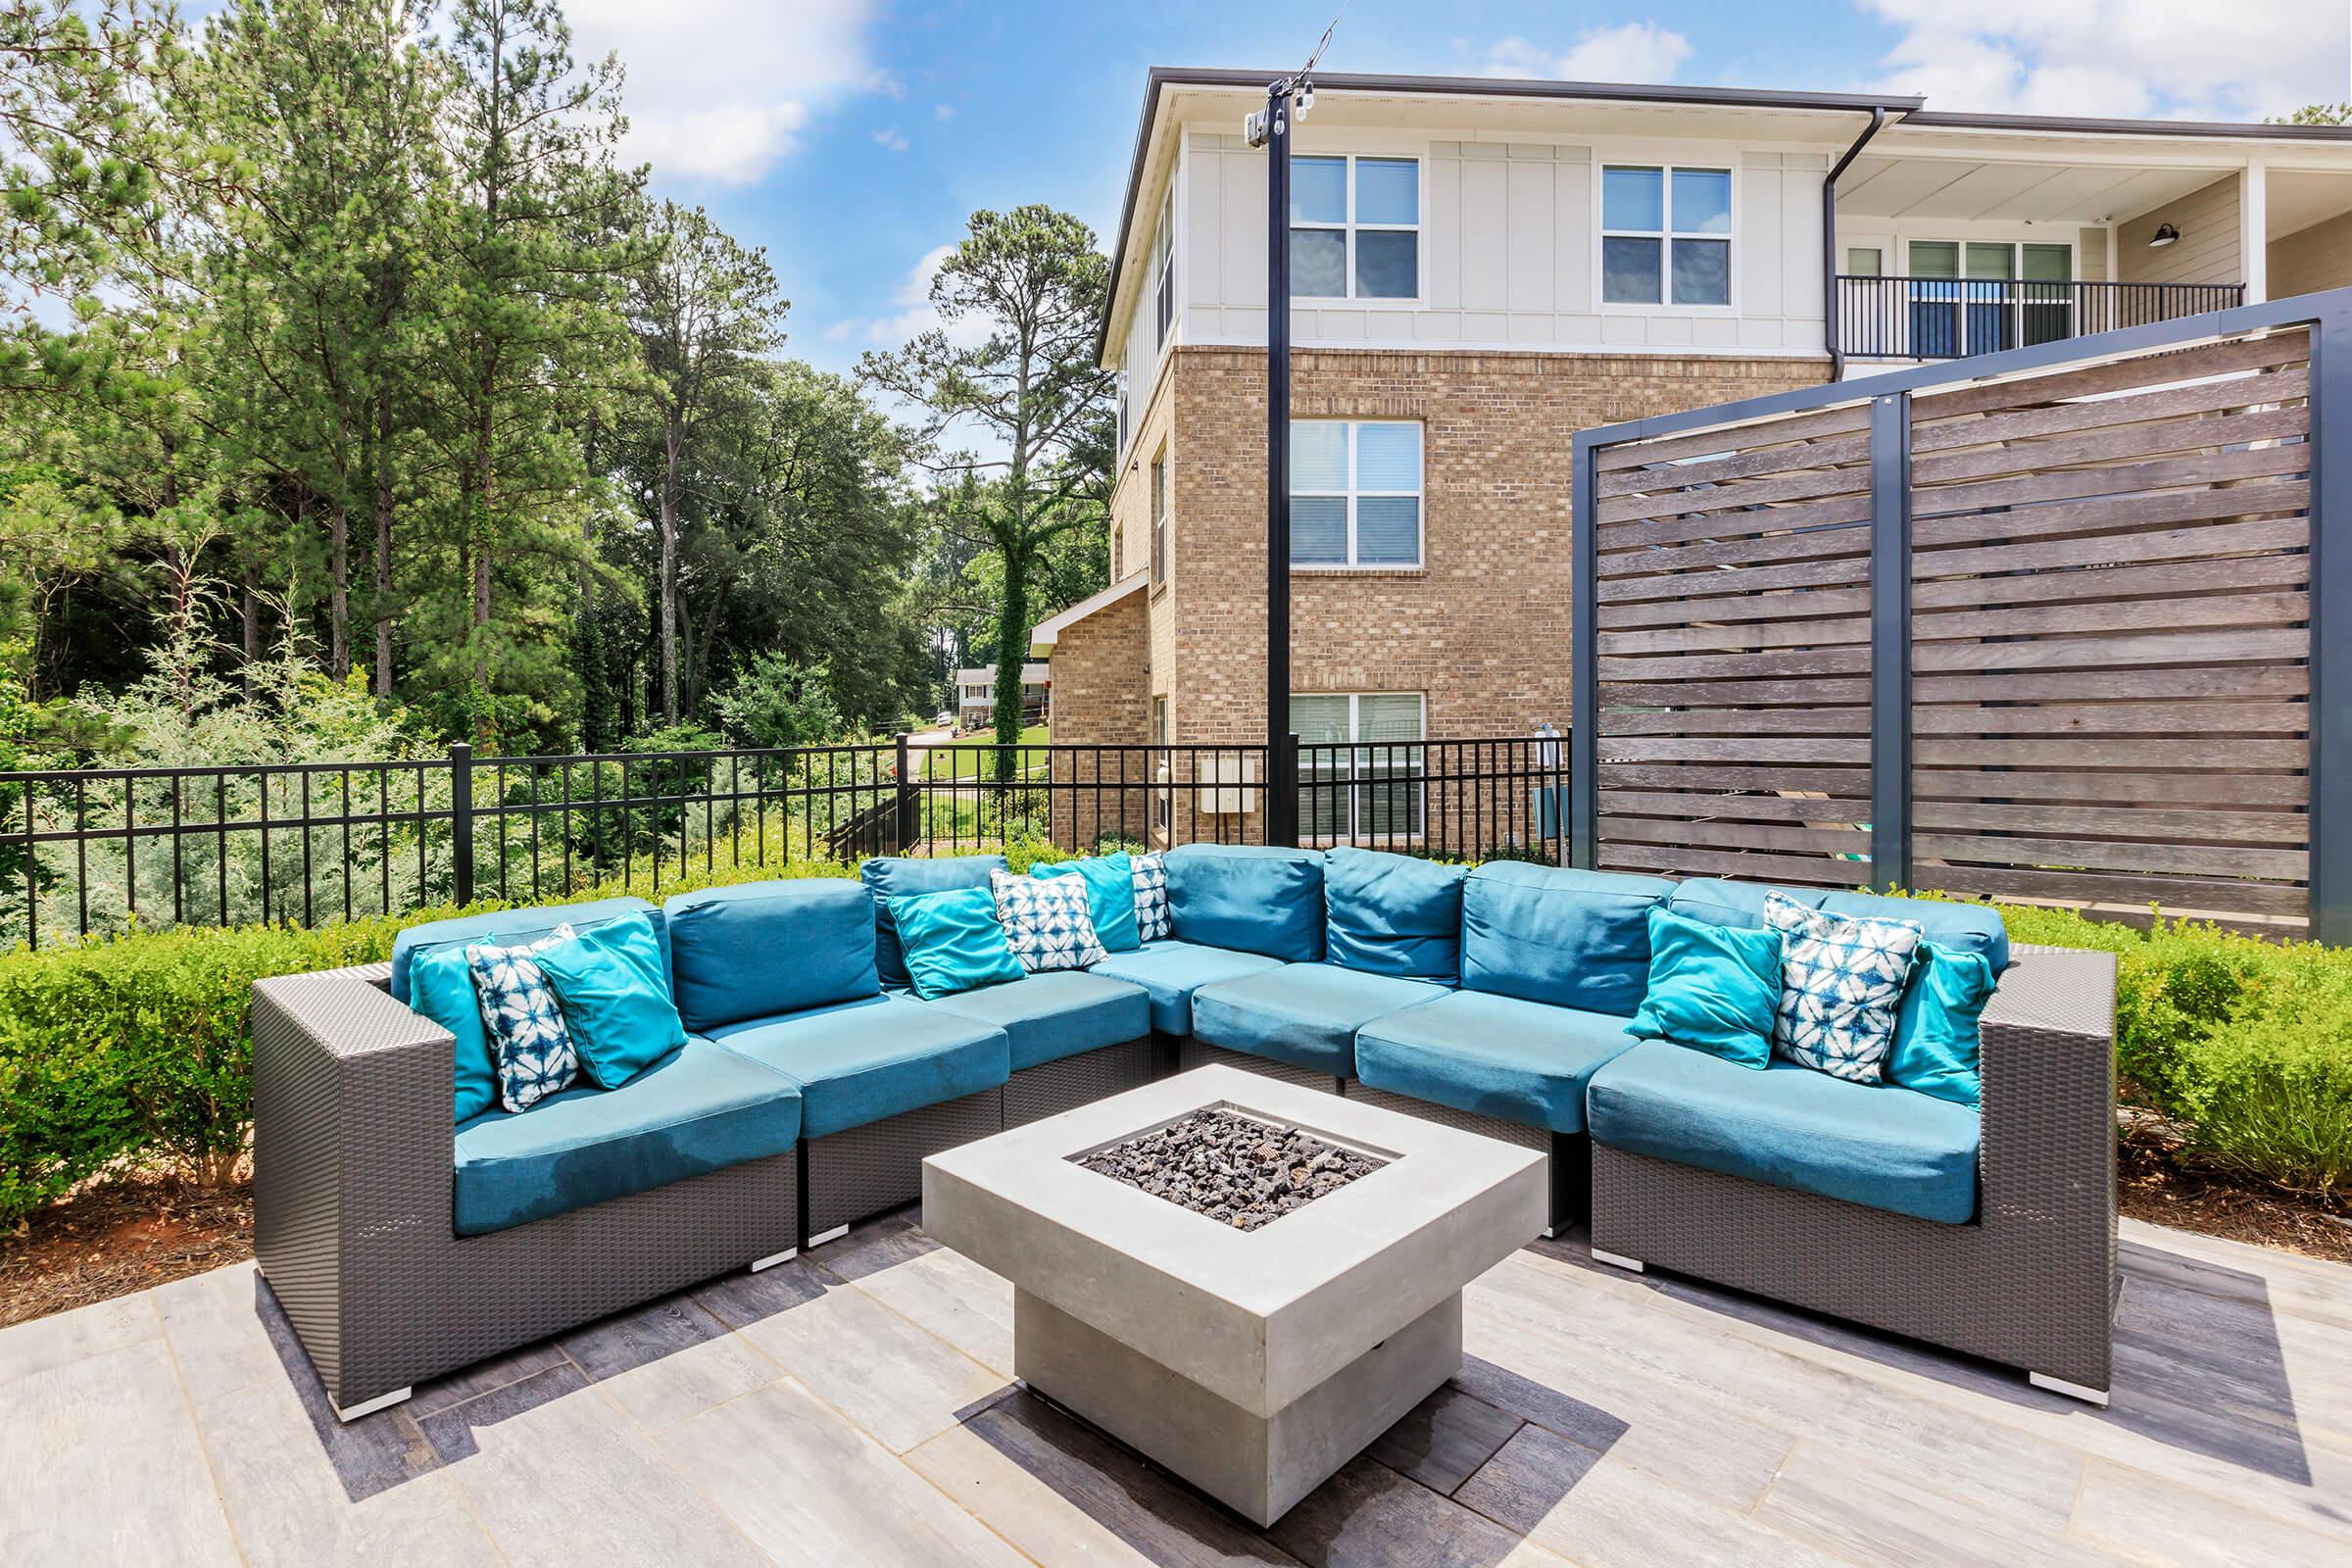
[1249, 898]
[1962, 927]
[1393, 914]
[889, 875]
[1739, 904]
[1573, 939]
[512, 927]
[759, 948]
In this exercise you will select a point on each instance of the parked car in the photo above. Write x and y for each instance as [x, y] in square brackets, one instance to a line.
[944, 720]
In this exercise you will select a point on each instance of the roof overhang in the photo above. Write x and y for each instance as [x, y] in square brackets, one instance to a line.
[1048, 631]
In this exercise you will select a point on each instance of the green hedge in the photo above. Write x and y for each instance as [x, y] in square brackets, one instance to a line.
[136, 1050]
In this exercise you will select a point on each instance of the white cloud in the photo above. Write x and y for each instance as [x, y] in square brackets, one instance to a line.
[1632, 51]
[913, 314]
[893, 138]
[721, 90]
[2185, 58]
[942, 111]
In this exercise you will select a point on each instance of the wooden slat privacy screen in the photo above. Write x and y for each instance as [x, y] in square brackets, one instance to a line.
[2103, 577]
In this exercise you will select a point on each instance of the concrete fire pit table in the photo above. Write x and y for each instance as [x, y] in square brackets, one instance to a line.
[1252, 1363]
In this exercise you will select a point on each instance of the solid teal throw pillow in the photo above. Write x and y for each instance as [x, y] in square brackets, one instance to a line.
[441, 987]
[1936, 1044]
[615, 998]
[952, 941]
[1713, 988]
[1109, 897]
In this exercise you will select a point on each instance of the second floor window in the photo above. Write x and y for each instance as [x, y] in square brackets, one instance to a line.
[1356, 493]
[1665, 235]
[1159, 518]
[1356, 228]
[1163, 273]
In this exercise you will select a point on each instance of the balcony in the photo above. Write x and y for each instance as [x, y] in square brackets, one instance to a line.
[1894, 318]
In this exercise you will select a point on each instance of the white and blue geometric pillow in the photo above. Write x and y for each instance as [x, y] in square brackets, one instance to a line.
[1046, 920]
[1151, 897]
[1842, 985]
[527, 1034]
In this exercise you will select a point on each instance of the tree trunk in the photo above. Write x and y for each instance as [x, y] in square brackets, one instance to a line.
[674, 442]
[382, 584]
[1012, 647]
[252, 609]
[338, 599]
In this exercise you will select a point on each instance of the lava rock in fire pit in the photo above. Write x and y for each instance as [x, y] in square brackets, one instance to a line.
[1236, 1169]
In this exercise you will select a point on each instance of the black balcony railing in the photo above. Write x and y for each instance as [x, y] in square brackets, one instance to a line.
[1951, 319]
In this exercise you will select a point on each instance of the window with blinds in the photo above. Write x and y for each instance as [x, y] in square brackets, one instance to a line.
[1360, 766]
[1356, 493]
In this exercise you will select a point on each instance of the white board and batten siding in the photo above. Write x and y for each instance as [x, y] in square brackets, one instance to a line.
[1510, 251]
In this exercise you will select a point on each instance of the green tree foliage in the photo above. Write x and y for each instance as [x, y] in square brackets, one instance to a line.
[1030, 393]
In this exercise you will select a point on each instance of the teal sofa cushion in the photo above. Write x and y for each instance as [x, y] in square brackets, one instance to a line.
[615, 998]
[1170, 972]
[441, 987]
[1521, 1062]
[951, 941]
[514, 928]
[1884, 1147]
[1303, 1013]
[1575, 939]
[859, 1061]
[1714, 988]
[1058, 1012]
[889, 875]
[1109, 897]
[697, 1109]
[1393, 914]
[1957, 927]
[1249, 898]
[1938, 1047]
[758, 949]
[1736, 903]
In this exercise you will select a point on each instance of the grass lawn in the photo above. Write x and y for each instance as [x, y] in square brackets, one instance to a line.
[941, 763]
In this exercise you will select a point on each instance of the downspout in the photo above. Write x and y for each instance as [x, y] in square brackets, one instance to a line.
[1828, 241]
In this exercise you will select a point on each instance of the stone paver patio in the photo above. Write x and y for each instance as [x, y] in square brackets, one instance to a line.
[857, 1407]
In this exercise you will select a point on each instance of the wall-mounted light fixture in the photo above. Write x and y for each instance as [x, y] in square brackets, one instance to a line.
[2165, 234]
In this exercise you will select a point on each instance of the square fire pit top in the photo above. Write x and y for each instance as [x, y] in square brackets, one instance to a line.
[1257, 1316]
[1237, 1169]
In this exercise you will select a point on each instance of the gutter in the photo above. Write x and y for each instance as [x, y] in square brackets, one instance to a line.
[1829, 240]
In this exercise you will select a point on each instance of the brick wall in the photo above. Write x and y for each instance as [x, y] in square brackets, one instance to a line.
[1102, 696]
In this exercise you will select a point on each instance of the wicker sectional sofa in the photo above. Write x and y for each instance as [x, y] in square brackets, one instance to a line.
[402, 1244]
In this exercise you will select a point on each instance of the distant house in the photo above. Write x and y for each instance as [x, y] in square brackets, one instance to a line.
[976, 695]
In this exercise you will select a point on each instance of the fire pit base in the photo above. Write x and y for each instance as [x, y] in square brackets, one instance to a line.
[1256, 1465]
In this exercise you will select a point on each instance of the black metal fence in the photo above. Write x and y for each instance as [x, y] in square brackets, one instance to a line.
[1882, 318]
[99, 849]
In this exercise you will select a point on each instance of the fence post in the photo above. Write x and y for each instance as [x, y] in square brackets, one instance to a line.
[2330, 718]
[1891, 642]
[461, 816]
[1581, 829]
[902, 828]
[1281, 793]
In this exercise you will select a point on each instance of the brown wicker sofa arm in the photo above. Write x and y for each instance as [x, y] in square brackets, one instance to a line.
[352, 1144]
[2048, 1101]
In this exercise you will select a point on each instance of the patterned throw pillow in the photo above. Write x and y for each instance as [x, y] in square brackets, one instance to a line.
[1151, 897]
[1842, 985]
[527, 1034]
[1046, 920]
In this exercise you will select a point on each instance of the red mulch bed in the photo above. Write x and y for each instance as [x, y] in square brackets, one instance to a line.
[126, 1234]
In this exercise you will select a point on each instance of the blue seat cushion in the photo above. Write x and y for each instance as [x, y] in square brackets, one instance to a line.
[1393, 914]
[758, 949]
[697, 1109]
[1056, 1013]
[1869, 1144]
[1248, 897]
[887, 874]
[1303, 1013]
[861, 1061]
[516, 928]
[1574, 938]
[1521, 1062]
[1170, 972]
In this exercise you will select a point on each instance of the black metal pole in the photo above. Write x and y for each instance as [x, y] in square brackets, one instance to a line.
[1282, 801]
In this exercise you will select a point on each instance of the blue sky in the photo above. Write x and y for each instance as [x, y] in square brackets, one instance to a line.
[851, 137]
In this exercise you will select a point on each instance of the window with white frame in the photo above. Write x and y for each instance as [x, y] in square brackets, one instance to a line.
[1665, 235]
[1159, 518]
[1360, 768]
[1356, 493]
[1356, 228]
[1164, 271]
